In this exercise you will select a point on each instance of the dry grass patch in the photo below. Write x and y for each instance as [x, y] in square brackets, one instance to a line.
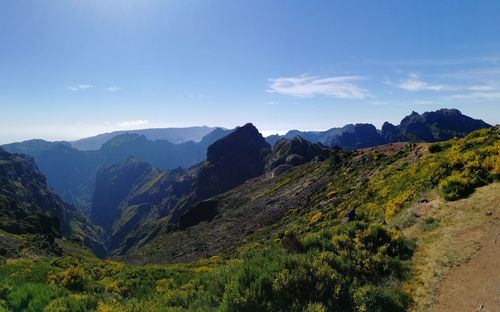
[451, 241]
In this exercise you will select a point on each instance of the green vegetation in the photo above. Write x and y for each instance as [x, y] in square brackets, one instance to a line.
[309, 261]
[356, 264]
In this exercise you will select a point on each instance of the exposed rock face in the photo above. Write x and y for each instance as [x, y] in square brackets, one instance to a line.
[232, 160]
[446, 124]
[392, 133]
[358, 136]
[441, 125]
[414, 128]
[294, 152]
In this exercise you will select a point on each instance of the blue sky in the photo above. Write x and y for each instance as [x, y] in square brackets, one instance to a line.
[71, 69]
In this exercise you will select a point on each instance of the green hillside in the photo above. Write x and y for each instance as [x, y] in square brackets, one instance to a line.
[340, 234]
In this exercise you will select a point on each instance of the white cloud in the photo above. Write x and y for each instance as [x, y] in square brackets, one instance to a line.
[132, 123]
[415, 84]
[480, 88]
[80, 87]
[342, 87]
[476, 96]
[113, 89]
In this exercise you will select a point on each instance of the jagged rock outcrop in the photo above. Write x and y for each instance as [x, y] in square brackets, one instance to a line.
[392, 133]
[289, 153]
[232, 160]
[441, 125]
[358, 136]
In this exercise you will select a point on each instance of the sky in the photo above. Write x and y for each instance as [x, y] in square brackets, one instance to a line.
[75, 68]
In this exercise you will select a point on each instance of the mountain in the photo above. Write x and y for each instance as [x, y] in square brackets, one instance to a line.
[71, 172]
[290, 153]
[357, 136]
[340, 189]
[142, 201]
[323, 137]
[373, 229]
[173, 135]
[440, 125]
[132, 188]
[27, 204]
[133, 200]
[32, 216]
[232, 160]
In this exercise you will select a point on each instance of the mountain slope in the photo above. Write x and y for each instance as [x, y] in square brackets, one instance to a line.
[332, 234]
[32, 217]
[371, 184]
[133, 200]
[27, 206]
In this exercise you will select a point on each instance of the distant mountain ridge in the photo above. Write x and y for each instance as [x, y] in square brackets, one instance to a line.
[71, 172]
[439, 125]
[173, 135]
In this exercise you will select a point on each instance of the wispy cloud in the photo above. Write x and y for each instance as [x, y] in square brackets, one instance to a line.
[476, 96]
[481, 88]
[132, 123]
[113, 89]
[80, 87]
[342, 87]
[413, 83]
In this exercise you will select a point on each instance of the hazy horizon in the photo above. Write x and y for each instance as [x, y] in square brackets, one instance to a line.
[74, 69]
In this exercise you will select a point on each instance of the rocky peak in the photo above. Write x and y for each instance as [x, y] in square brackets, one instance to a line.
[294, 152]
[232, 160]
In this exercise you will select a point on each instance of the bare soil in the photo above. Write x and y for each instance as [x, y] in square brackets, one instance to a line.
[475, 285]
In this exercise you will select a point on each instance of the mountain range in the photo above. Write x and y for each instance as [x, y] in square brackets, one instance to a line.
[173, 135]
[253, 225]
[132, 188]
[443, 124]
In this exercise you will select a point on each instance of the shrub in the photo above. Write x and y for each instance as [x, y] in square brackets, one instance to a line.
[73, 279]
[370, 298]
[435, 148]
[291, 242]
[65, 304]
[455, 187]
[315, 307]
[429, 224]
[30, 297]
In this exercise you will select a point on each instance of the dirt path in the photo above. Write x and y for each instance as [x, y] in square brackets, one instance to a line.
[475, 285]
